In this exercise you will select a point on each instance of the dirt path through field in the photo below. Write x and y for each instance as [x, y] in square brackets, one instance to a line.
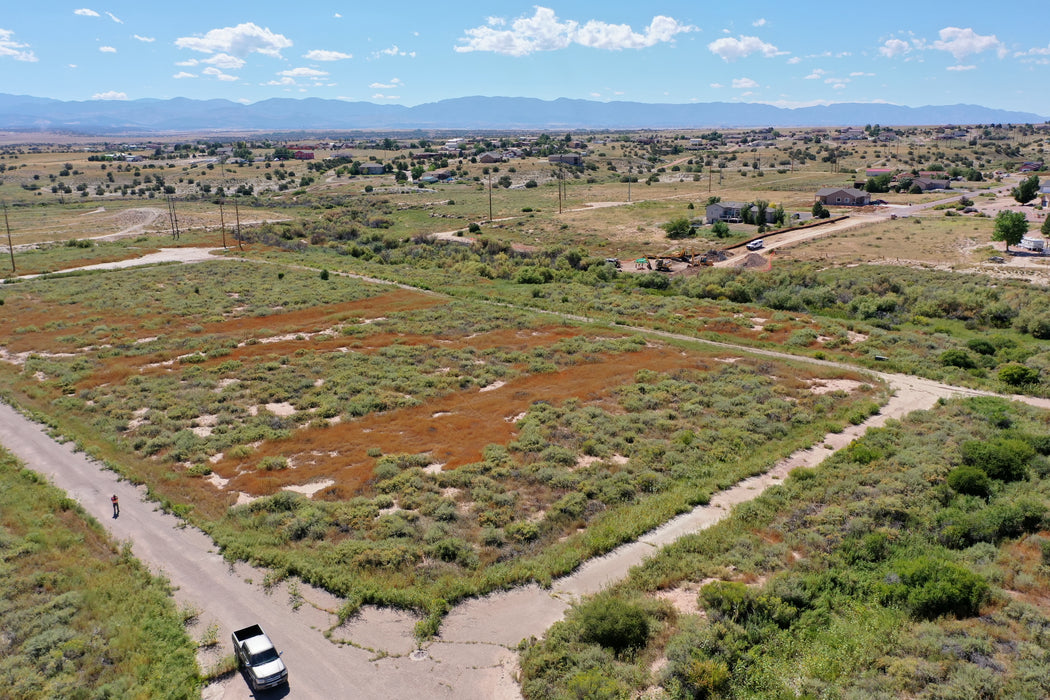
[375, 655]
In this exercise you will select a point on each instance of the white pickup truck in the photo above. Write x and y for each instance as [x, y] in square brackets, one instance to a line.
[256, 654]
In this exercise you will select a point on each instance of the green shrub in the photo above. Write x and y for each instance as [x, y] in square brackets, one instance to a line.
[614, 624]
[1018, 375]
[933, 587]
[957, 358]
[1003, 458]
[534, 274]
[970, 481]
[273, 464]
[981, 346]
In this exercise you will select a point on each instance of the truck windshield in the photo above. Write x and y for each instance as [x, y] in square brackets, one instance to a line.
[264, 656]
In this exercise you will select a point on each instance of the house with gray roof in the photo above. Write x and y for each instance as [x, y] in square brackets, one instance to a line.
[843, 196]
[928, 183]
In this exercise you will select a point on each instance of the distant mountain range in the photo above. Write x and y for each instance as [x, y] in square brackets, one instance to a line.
[23, 113]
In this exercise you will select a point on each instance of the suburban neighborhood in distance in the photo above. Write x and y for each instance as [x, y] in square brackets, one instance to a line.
[712, 363]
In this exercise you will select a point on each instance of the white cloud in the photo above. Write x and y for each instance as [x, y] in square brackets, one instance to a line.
[861, 74]
[1039, 51]
[218, 74]
[794, 60]
[731, 49]
[545, 32]
[147, 39]
[596, 95]
[838, 86]
[72, 65]
[183, 74]
[817, 74]
[744, 83]
[303, 73]
[836, 81]
[188, 62]
[961, 43]
[616, 37]
[760, 22]
[84, 12]
[116, 19]
[282, 81]
[225, 61]
[380, 96]
[244, 39]
[961, 68]
[394, 50]
[107, 49]
[111, 95]
[392, 85]
[337, 15]
[894, 47]
[9, 48]
[717, 86]
[322, 55]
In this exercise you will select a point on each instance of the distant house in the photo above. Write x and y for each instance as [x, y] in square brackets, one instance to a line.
[303, 155]
[1031, 166]
[843, 196]
[566, 158]
[730, 212]
[372, 169]
[733, 212]
[490, 157]
[927, 183]
[878, 172]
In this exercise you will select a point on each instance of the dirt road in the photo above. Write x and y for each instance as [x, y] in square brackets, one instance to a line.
[374, 655]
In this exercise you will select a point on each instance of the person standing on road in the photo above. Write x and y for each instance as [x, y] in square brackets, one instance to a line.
[116, 506]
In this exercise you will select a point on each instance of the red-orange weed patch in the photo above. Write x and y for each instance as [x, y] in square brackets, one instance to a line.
[453, 430]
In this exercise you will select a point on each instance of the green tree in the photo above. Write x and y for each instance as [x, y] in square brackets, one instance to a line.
[820, 211]
[720, 229]
[878, 184]
[1010, 227]
[678, 228]
[1045, 228]
[1026, 191]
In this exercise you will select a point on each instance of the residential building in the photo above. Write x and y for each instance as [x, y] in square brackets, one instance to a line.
[926, 184]
[566, 158]
[843, 196]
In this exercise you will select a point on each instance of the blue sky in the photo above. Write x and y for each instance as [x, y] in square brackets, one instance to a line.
[788, 54]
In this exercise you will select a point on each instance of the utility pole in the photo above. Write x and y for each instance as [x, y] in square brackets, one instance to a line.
[237, 212]
[558, 171]
[222, 225]
[10, 247]
[173, 217]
